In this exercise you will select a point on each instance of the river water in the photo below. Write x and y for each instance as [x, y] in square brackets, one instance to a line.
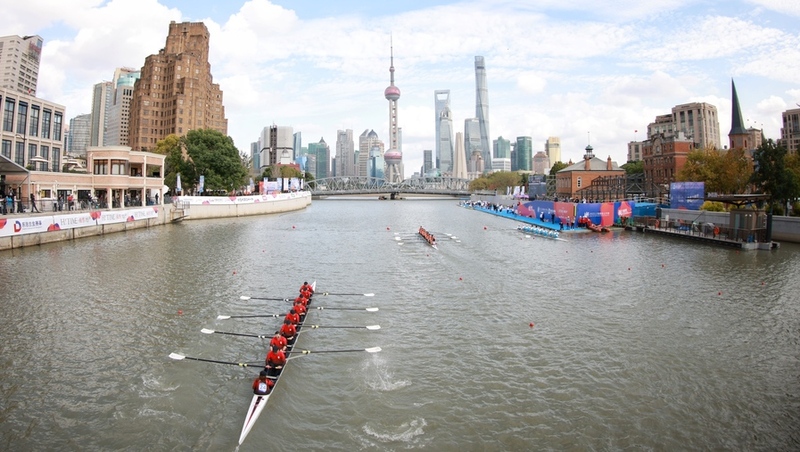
[495, 341]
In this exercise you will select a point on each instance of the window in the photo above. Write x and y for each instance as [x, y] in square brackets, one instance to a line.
[8, 116]
[579, 182]
[100, 167]
[22, 117]
[46, 115]
[6, 149]
[19, 156]
[57, 126]
[33, 130]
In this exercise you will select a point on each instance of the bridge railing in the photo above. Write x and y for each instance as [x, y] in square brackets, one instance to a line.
[373, 185]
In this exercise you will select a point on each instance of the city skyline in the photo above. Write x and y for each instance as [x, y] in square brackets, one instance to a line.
[554, 69]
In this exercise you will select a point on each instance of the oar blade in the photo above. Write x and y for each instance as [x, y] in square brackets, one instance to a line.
[373, 327]
[176, 356]
[207, 331]
[244, 297]
[372, 309]
[369, 294]
[372, 349]
[223, 317]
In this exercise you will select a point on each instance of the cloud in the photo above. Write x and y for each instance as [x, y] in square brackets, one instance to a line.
[781, 6]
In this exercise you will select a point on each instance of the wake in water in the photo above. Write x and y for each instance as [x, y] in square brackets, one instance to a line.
[407, 433]
[378, 377]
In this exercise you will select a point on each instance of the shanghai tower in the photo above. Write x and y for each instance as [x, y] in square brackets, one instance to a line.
[482, 111]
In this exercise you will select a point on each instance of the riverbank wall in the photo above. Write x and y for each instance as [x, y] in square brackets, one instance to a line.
[22, 230]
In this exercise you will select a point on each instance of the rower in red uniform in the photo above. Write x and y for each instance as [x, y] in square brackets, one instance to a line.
[300, 308]
[262, 385]
[292, 316]
[306, 287]
[289, 331]
[276, 359]
[278, 341]
[301, 299]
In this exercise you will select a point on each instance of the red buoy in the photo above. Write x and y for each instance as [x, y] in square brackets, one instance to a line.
[530, 324]
[180, 312]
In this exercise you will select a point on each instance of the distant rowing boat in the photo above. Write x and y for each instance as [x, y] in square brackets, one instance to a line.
[258, 402]
[428, 237]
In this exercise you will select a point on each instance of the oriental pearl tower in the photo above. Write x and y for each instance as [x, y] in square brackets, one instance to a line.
[393, 158]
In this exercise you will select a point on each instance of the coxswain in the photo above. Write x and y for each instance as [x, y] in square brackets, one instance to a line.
[288, 330]
[292, 316]
[275, 361]
[262, 385]
[278, 341]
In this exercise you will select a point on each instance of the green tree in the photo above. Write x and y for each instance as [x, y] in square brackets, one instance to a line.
[558, 166]
[773, 176]
[634, 167]
[214, 156]
[722, 171]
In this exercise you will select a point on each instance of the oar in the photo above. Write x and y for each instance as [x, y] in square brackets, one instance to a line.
[179, 357]
[260, 336]
[245, 297]
[325, 294]
[225, 317]
[344, 309]
[369, 327]
[307, 352]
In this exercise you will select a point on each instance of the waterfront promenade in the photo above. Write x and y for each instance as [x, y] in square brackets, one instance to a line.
[29, 229]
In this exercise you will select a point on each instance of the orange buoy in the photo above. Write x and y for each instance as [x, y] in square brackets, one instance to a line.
[530, 324]
[484, 228]
[388, 228]
[180, 312]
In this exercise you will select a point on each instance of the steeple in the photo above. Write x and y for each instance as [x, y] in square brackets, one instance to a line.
[737, 124]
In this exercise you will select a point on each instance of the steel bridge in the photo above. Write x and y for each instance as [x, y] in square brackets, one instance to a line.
[356, 185]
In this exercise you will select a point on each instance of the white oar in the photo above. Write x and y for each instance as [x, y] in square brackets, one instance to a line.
[226, 317]
[325, 294]
[245, 297]
[179, 357]
[259, 336]
[369, 327]
[343, 309]
[308, 352]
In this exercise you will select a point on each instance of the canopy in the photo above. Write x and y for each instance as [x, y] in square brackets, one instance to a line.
[9, 167]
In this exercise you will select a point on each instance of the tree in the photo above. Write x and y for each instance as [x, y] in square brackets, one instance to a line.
[634, 167]
[722, 172]
[773, 176]
[558, 166]
[214, 156]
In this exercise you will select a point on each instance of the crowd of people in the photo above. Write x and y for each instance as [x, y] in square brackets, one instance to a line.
[283, 338]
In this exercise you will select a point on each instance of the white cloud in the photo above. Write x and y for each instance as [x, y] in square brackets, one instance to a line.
[781, 6]
[553, 67]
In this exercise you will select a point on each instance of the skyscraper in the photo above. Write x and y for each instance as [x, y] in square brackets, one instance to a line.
[441, 102]
[322, 153]
[472, 140]
[79, 135]
[19, 60]
[552, 147]
[119, 114]
[482, 112]
[444, 142]
[393, 158]
[345, 153]
[102, 98]
[524, 151]
[275, 141]
[176, 92]
[367, 141]
[427, 162]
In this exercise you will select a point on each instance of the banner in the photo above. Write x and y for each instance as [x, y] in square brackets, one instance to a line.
[201, 184]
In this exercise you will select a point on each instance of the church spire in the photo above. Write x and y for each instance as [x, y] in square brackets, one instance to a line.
[737, 124]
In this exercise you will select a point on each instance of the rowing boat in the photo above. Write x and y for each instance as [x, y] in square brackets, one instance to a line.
[258, 402]
[428, 237]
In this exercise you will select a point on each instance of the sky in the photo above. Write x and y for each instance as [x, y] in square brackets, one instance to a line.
[587, 71]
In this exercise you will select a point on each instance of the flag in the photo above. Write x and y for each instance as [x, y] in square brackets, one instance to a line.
[178, 184]
[201, 185]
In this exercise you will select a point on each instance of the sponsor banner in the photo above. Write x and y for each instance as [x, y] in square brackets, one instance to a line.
[72, 221]
[230, 200]
[25, 225]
